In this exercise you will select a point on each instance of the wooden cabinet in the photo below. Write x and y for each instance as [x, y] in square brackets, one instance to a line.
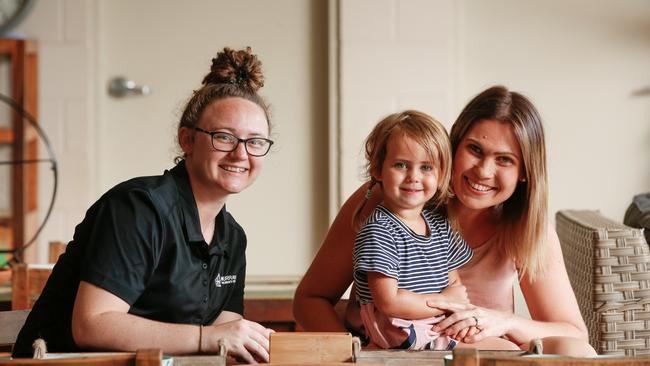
[18, 142]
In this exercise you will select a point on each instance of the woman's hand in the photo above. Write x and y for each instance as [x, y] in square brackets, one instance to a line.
[461, 318]
[245, 340]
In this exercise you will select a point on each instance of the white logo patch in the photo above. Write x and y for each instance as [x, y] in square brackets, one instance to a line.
[224, 280]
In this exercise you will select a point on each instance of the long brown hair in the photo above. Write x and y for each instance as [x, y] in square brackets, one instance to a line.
[233, 73]
[427, 132]
[523, 233]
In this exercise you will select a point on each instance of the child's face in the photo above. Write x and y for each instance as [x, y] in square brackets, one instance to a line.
[409, 177]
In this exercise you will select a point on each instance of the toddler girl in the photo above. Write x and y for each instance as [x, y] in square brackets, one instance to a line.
[406, 251]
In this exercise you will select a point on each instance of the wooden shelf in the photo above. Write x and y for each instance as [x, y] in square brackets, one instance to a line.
[6, 136]
[22, 88]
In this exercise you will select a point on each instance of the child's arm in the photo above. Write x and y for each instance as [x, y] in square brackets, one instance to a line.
[456, 291]
[399, 303]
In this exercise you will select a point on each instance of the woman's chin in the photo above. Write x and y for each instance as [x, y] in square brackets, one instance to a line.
[232, 189]
[474, 202]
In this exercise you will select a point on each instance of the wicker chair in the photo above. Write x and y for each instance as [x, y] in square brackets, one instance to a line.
[608, 265]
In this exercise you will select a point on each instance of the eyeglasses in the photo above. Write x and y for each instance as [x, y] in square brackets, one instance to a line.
[226, 142]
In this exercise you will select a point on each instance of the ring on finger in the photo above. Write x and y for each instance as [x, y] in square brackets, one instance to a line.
[476, 320]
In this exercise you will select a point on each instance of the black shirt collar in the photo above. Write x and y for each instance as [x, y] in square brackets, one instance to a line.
[220, 241]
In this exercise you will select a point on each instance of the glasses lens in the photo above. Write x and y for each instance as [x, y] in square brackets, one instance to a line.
[258, 146]
[224, 141]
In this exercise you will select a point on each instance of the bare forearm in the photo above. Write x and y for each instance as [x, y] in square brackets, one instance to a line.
[127, 332]
[550, 300]
[409, 305]
[316, 314]
[523, 330]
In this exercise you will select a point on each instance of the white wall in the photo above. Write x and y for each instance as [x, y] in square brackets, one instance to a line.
[66, 94]
[578, 60]
[401, 55]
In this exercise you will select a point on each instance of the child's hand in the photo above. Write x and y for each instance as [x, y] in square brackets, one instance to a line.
[466, 332]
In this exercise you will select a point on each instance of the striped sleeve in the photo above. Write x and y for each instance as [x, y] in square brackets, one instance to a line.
[459, 252]
[375, 251]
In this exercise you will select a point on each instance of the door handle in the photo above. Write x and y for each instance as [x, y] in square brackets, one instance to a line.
[642, 92]
[120, 87]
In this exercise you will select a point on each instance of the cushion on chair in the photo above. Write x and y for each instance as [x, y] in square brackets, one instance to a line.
[608, 266]
[638, 214]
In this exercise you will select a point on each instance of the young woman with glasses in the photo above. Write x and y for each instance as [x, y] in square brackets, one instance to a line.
[158, 262]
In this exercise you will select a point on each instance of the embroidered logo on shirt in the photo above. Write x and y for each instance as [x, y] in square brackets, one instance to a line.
[224, 280]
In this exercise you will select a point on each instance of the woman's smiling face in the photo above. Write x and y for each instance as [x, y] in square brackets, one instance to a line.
[225, 172]
[487, 165]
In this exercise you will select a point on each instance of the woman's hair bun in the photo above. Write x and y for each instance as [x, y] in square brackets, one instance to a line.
[238, 67]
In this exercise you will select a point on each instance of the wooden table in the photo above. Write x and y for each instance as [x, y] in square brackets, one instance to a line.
[464, 357]
[471, 357]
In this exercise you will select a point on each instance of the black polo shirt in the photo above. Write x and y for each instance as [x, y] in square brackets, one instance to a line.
[142, 242]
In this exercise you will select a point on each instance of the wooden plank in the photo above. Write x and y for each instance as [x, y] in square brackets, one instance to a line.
[148, 357]
[6, 135]
[465, 357]
[7, 46]
[5, 277]
[5, 236]
[23, 60]
[31, 183]
[553, 360]
[402, 357]
[56, 249]
[27, 283]
[140, 358]
[19, 287]
[268, 310]
[199, 360]
[18, 192]
[310, 347]
[30, 90]
[31, 78]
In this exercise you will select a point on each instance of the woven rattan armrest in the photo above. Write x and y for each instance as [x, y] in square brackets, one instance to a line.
[608, 266]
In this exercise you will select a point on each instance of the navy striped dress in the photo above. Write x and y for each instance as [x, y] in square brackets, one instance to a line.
[419, 263]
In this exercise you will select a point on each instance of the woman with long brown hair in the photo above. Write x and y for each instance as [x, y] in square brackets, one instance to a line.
[499, 182]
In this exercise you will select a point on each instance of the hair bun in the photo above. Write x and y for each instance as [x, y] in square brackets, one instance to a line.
[237, 67]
